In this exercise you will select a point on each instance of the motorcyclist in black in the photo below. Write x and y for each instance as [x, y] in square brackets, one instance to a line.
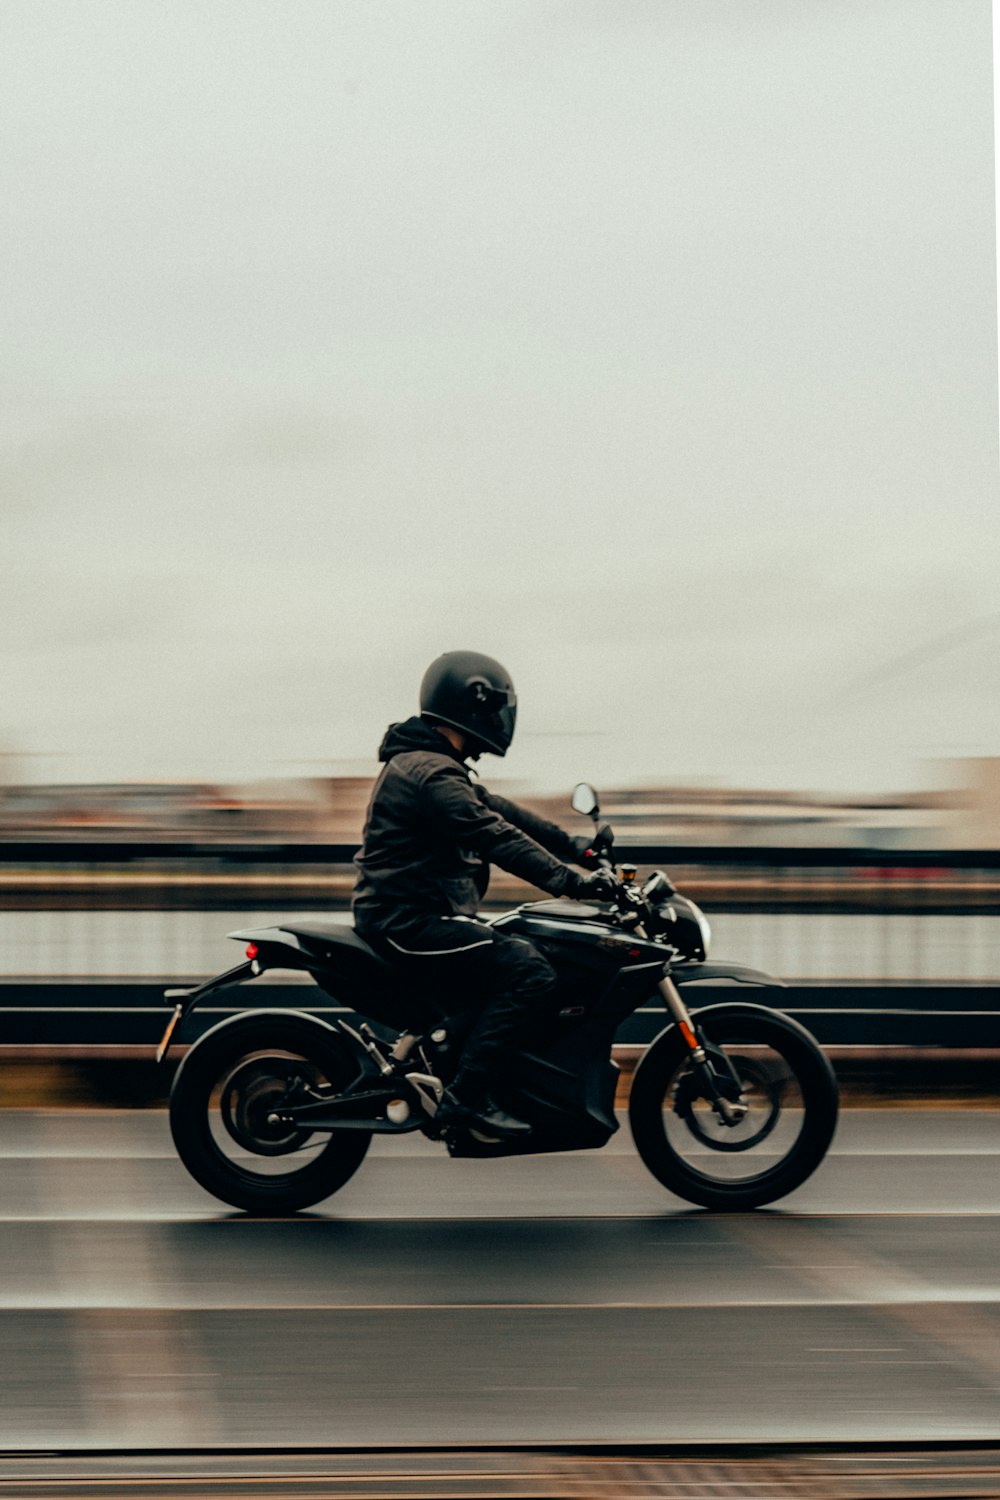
[430, 836]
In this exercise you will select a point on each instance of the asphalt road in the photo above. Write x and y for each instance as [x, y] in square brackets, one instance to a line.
[548, 1300]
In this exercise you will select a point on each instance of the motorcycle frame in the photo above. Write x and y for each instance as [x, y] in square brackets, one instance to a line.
[365, 1103]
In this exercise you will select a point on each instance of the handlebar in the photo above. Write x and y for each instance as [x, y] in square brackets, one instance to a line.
[635, 903]
[629, 899]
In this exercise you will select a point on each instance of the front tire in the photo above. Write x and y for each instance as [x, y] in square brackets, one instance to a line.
[223, 1092]
[787, 1083]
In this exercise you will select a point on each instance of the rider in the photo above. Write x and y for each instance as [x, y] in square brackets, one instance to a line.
[430, 836]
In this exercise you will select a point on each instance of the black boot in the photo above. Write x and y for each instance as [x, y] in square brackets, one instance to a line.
[467, 1104]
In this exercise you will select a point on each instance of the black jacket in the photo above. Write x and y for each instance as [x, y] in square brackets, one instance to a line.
[431, 834]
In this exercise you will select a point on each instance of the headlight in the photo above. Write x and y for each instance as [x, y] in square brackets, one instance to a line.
[703, 925]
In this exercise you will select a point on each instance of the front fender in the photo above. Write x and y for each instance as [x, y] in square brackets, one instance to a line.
[718, 973]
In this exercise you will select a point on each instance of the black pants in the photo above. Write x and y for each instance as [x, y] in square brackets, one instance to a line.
[505, 978]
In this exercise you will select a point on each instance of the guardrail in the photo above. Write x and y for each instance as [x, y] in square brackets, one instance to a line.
[102, 1016]
[142, 910]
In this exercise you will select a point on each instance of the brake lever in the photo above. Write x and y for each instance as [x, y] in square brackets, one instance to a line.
[632, 905]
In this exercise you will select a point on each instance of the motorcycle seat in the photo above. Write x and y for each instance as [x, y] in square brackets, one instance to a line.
[338, 938]
[355, 974]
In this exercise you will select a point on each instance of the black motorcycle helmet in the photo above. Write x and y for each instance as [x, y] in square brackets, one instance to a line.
[473, 693]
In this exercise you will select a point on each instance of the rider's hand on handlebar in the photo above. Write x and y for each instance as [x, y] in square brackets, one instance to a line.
[589, 852]
[602, 885]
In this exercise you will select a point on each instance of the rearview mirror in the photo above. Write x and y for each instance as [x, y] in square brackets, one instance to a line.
[584, 800]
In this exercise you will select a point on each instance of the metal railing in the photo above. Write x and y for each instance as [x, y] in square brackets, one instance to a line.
[882, 949]
[151, 910]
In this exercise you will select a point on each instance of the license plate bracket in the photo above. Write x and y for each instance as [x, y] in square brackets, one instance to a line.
[161, 1050]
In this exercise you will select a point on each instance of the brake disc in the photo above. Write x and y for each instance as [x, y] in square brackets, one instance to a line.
[252, 1093]
[755, 1082]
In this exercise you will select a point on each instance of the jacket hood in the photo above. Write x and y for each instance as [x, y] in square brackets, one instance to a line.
[415, 734]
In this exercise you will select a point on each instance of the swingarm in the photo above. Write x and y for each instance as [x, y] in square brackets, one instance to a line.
[388, 1111]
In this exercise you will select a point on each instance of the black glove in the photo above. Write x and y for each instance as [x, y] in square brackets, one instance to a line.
[590, 851]
[600, 886]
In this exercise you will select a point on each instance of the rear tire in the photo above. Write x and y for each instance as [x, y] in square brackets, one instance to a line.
[679, 1138]
[220, 1084]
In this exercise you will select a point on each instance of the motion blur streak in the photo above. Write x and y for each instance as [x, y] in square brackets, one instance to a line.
[549, 1302]
[956, 1473]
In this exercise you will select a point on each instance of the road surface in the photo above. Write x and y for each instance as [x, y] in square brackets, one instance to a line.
[548, 1300]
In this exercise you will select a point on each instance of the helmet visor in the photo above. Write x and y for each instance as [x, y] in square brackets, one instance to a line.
[496, 715]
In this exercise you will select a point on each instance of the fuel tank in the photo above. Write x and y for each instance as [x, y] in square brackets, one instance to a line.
[601, 969]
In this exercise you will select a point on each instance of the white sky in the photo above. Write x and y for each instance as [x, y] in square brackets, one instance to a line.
[649, 347]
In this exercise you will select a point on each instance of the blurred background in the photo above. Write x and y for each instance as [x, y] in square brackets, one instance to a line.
[144, 879]
[651, 349]
[654, 354]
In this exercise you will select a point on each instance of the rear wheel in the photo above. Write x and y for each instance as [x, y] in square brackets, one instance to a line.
[783, 1123]
[225, 1094]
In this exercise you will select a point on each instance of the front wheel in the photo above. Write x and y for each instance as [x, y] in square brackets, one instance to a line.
[224, 1098]
[777, 1135]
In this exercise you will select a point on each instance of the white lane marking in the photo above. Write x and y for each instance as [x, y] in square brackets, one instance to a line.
[887, 1153]
[934, 1297]
[670, 1212]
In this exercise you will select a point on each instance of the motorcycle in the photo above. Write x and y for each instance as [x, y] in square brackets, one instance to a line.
[731, 1106]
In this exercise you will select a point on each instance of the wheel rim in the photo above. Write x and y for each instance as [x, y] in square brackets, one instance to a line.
[238, 1107]
[724, 1155]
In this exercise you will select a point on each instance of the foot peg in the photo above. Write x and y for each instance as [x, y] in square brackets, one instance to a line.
[487, 1117]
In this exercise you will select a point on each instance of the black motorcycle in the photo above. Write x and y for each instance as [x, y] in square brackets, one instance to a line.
[731, 1106]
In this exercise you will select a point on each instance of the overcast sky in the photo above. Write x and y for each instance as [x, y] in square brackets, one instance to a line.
[648, 346]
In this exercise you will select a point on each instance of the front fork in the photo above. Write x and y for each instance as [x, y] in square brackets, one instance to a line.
[729, 1111]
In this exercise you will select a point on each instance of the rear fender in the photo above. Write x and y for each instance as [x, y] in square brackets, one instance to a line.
[253, 1018]
[185, 1001]
[269, 948]
[276, 948]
